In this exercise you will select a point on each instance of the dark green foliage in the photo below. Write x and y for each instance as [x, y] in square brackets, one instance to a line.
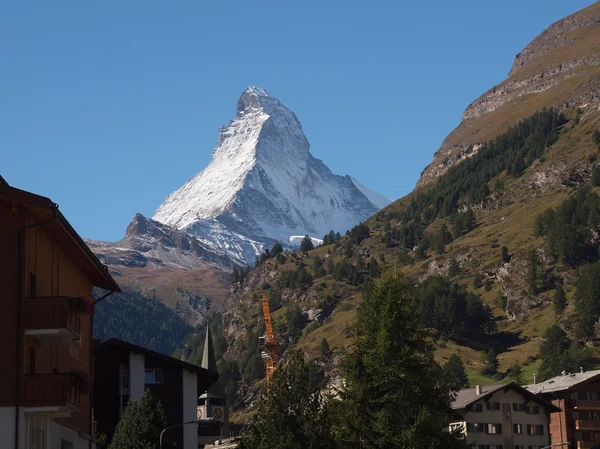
[453, 268]
[331, 237]
[560, 300]
[559, 353]
[358, 233]
[404, 258]
[468, 181]
[488, 284]
[306, 244]
[452, 311]
[296, 320]
[463, 223]
[569, 229]
[324, 347]
[293, 414]
[300, 278]
[126, 315]
[141, 425]
[490, 366]
[596, 138]
[587, 299]
[456, 375]
[277, 248]
[595, 179]
[505, 254]
[231, 379]
[391, 363]
[477, 281]
[254, 369]
[515, 374]
[535, 273]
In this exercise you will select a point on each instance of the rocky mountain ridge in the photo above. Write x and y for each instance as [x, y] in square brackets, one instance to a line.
[562, 64]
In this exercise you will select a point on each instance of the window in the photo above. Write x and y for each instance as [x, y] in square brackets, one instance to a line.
[64, 444]
[493, 406]
[154, 376]
[533, 410]
[518, 407]
[475, 427]
[217, 401]
[517, 428]
[535, 429]
[493, 428]
[478, 407]
[519, 446]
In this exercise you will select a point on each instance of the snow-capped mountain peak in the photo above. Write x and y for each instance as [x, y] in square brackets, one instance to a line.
[263, 185]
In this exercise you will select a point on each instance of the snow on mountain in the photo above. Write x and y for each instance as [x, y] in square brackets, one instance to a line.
[376, 198]
[296, 240]
[263, 185]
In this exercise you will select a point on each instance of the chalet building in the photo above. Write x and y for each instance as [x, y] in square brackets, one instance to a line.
[578, 396]
[122, 373]
[47, 274]
[213, 408]
[504, 416]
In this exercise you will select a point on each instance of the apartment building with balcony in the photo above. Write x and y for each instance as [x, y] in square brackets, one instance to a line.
[47, 274]
[578, 395]
[123, 371]
[504, 416]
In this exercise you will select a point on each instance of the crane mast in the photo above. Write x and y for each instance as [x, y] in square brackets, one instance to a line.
[268, 341]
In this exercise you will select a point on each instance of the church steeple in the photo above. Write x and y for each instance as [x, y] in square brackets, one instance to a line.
[209, 362]
[213, 403]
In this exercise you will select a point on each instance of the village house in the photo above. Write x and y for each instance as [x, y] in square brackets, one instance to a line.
[578, 396]
[47, 274]
[123, 371]
[504, 416]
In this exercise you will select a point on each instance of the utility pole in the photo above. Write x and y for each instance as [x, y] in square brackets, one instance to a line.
[173, 427]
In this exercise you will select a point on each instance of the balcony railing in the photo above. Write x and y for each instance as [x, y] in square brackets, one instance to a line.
[586, 424]
[586, 444]
[587, 403]
[55, 319]
[56, 391]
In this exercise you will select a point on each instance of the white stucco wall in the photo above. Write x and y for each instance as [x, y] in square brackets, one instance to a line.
[495, 417]
[190, 403]
[7, 427]
[137, 369]
[59, 433]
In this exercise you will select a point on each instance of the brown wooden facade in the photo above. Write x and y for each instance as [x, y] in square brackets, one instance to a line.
[47, 274]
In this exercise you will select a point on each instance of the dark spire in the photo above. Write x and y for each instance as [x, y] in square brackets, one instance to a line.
[209, 362]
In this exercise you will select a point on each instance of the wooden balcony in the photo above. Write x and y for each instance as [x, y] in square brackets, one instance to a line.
[50, 393]
[586, 444]
[52, 319]
[587, 424]
[589, 404]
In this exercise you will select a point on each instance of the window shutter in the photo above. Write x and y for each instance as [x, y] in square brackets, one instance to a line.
[498, 428]
[515, 407]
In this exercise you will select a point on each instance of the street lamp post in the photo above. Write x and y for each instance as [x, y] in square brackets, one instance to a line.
[172, 427]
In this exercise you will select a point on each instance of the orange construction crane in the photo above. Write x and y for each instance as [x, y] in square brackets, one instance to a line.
[270, 353]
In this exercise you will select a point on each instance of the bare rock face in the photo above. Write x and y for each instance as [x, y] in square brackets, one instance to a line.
[559, 69]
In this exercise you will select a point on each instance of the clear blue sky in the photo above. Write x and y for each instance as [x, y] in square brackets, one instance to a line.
[107, 107]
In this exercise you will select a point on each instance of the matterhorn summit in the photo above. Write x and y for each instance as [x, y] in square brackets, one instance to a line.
[263, 185]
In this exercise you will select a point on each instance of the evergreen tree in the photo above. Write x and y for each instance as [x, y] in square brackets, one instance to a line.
[596, 138]
[560, 300]
[293, 414]
[140, 425]
[535, 273]
[587, 299]
[277, 248]
[477, 282]
[491, 363]
[453, 267]
[455, 373]
[324, 347]
[391, 363]
[515, 373]
[505, 254]
[554, 352]
[306, 244]
[595, 180]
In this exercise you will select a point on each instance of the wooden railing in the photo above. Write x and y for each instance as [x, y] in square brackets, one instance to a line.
[594, 403]
[50, 390]
[587, 424]
[52, 312]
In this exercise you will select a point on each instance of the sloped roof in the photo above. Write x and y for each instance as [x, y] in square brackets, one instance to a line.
[467, 396]
[46, 211]
[563, 382]
[216, 390]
